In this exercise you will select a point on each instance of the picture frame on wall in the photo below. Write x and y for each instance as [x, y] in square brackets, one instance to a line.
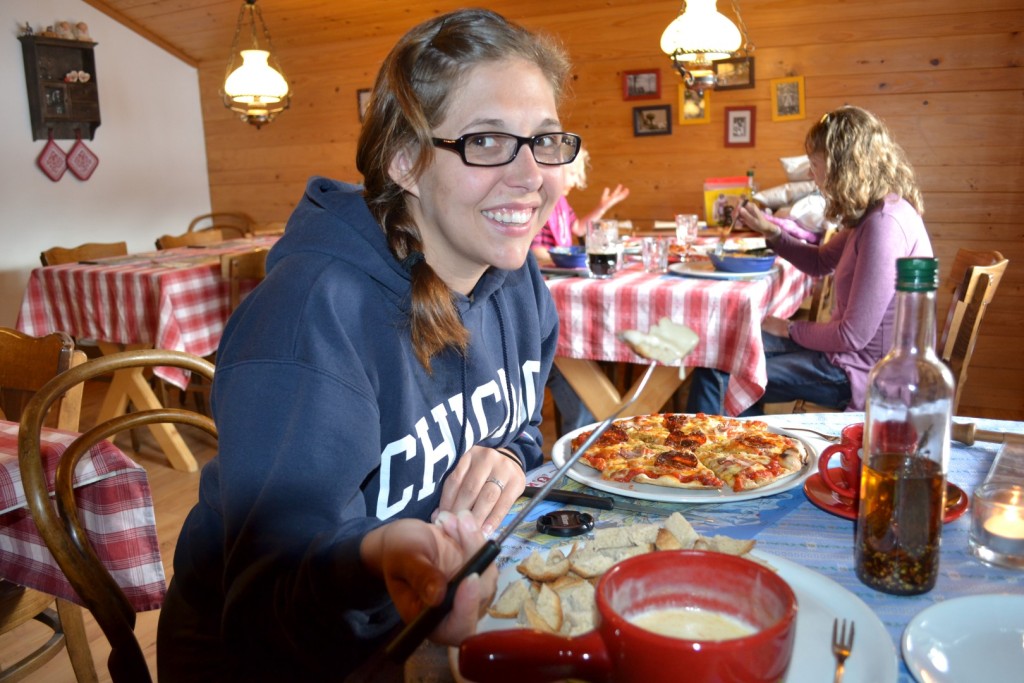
[694, 107]
[739, 126]
[363, 101]
[641, 85]
[788, 99]
[734, 74]
[656, 120]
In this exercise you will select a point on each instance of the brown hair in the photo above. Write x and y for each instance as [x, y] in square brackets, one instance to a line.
[863, 163]
[411, 97]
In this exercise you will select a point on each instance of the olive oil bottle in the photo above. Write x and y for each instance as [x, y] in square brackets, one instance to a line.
[906, 445]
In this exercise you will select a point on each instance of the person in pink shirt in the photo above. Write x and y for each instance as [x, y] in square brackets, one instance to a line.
[563, 224]
[872, 193]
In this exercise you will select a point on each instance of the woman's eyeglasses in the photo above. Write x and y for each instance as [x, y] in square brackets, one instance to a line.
[498, 149]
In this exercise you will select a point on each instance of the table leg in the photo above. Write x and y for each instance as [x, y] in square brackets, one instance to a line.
[131, 384]
[601, 397]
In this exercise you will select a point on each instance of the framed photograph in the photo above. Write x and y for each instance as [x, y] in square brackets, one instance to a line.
[652, 120]
[363, 100]
[641, 85]
[788, 99]
[739, 126]
[734, 74]
[694, 107]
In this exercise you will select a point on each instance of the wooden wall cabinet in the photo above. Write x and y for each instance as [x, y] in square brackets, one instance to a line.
[54, 104]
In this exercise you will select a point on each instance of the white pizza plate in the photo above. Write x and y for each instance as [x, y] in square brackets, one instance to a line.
[820, 600]
[974, 638]
[588, 476]
[704, 269]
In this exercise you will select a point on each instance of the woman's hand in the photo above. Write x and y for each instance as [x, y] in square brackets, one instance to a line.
[417, 559]
[610, 198]
[486, 483]
[776, 326]
[751, 217]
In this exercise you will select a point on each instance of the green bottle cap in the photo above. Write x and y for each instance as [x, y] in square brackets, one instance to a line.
[917, 274]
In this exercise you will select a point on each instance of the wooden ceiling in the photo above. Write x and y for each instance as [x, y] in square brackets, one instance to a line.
[200, 31]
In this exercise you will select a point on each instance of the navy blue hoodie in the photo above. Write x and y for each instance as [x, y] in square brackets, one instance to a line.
[330, 426]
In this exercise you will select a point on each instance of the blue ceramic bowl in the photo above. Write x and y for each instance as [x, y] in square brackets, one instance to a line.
[757, 261]
[569, 257]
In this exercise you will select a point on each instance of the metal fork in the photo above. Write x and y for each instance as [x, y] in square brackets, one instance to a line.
[820, 435]
[841, 647]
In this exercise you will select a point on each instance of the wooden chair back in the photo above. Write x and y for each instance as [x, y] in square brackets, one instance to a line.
[273, 228]
[236, 268]
[26, 365]
[820, 307]
[55, 256]
[202, 238]
[973, 278]
[59, 525]
[232, 223]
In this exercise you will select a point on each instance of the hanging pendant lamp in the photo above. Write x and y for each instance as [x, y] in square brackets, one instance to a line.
[256, 88]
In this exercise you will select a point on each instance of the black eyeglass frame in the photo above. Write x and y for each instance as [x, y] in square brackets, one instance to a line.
[458, 146]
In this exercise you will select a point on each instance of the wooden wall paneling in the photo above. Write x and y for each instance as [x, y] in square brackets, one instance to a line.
[944, 75]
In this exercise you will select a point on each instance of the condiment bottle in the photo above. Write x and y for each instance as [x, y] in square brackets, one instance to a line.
[907, 434]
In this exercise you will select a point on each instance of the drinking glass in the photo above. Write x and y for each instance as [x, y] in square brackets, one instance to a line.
[686, 231]
[655, 254]
[602, 248]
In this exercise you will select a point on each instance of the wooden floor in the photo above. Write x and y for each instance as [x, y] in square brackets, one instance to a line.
[174, 493]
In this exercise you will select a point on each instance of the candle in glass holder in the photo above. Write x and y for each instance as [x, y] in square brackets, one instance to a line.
[997, 524]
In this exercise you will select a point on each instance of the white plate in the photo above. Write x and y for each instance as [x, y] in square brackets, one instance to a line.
[704, 269]
[975, 638]
[588, 476]
[819, 600]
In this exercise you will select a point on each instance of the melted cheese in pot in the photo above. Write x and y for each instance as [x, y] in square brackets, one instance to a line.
[692, 624]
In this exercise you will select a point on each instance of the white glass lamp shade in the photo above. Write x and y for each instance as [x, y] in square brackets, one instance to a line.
[255, 81]
[701, 33]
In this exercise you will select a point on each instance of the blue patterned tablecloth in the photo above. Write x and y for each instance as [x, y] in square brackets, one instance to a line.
[790, 526]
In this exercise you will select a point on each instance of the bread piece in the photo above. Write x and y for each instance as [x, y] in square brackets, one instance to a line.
[624, 536]
[725, 544]
[666, 540]
[590, 563]
[544, 613]
[538, 568]
[682, 530]
[510, 602]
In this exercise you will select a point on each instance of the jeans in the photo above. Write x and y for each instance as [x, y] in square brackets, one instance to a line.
[570, 407]
[794, 373]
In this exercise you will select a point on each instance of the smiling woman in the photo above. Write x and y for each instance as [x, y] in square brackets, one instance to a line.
[413, 338]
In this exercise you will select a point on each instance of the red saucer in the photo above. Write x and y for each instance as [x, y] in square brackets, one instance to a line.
[825, 498]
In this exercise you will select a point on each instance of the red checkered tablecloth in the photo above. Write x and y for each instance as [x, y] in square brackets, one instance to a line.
[114, 496]
[725, 314]
[170, 299]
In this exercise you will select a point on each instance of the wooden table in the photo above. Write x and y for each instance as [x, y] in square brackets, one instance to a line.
[725, 314]
[121, 522]
[170, 299]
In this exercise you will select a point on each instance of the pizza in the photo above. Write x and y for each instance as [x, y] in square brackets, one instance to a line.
[693, 452]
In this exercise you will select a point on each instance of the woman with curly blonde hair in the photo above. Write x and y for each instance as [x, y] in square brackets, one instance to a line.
[870, 190]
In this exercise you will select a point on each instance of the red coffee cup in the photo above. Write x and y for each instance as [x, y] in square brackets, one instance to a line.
[847, 485]
[619, 650]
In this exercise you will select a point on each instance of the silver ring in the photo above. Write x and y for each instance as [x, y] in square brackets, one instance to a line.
[496, 482]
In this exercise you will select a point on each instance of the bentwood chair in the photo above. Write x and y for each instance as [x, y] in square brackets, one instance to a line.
[55, 256]
[203, 238]
[973, 279]
[232, 223]
[26, 364]
[60, 526]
